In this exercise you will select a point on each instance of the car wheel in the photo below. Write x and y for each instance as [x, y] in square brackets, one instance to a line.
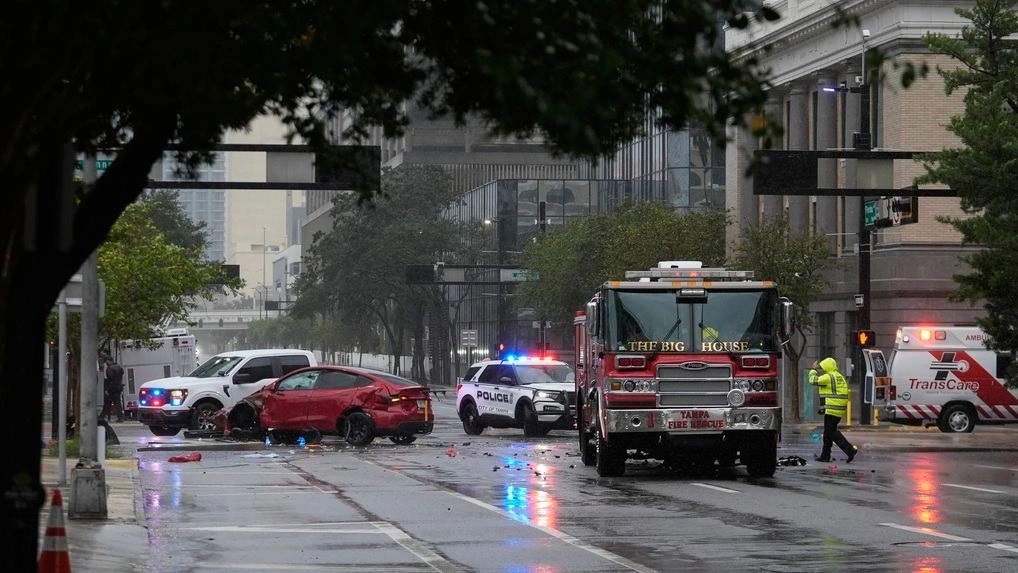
[610, 461]
[202, 416]
[471, 420]
[359, 429]
[531, 427]
[957, 418]
[161, 431]
[403, 439]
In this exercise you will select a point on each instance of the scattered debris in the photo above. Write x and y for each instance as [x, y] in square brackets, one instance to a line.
[791, 461]
[192, 457]
[451, 452]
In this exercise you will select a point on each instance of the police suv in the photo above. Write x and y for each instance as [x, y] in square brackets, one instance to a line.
[518, 392]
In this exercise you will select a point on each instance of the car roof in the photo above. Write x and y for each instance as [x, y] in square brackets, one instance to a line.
[265, 352]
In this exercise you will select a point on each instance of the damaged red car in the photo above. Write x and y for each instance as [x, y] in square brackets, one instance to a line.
[358, 404]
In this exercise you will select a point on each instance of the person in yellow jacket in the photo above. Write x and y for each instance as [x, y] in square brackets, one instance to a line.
[834, 390]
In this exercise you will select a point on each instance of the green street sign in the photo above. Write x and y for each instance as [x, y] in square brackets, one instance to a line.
[870, 211]
[100, 164]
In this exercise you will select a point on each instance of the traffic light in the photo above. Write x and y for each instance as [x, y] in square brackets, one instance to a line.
[904, 210]
[865, 338]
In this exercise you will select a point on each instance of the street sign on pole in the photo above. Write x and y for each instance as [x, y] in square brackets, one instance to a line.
[468, 338]
[870, 211]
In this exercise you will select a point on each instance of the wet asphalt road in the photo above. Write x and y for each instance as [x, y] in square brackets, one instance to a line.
[912, 501]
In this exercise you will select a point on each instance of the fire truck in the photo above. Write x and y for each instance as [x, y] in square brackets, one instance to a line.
[947, 377]
[681, 364]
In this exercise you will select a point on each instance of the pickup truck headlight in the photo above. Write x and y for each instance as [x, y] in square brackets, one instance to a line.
[546, 395]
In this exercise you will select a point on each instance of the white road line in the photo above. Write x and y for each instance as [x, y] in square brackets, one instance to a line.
[357, 568]
[715, 487]
[363, 528]
[578, 543]
[1004, 546]
[926, 531]
[406, 541]
[1007, 469]
[974, 488]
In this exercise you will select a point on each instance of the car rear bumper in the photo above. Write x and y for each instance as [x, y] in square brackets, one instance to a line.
[164, 418]
[414, 428]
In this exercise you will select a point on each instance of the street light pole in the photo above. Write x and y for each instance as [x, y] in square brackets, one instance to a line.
[863, 142]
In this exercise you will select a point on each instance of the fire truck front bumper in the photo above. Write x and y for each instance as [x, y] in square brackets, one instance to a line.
[694, 420]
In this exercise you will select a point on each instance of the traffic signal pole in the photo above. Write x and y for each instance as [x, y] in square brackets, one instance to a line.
[863, 142]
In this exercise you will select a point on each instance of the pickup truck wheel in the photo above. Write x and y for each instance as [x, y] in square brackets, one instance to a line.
[471, 420]
[609, 460]
[957, 418]
[161, 431]
[202, 415]
[359, 429]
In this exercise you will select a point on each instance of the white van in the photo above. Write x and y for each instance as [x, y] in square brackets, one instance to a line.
[945, 376]
[169, 404]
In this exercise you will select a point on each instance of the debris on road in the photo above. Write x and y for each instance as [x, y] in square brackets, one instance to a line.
[192, 457]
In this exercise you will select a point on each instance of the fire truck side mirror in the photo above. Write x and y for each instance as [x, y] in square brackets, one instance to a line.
[592, 322]
[788, 315]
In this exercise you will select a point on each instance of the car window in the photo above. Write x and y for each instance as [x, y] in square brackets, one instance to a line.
[506, 371]
[489, 374]
[259, 368]
[333, 379]
[216, 366]
[302, 381]
[292, 362]
[536, 373]
[397, 380]
[471, 372]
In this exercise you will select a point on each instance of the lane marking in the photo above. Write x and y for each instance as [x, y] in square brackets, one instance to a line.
[926, 531]
[419, 549]
[565, 537]
[357, 568]
[997, 468]
[715, 487]
[973, 488]
[1004, 546]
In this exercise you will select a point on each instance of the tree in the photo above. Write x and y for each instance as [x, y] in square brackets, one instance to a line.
[139, 77]
[798, 263]
[572, 262]
[983, 171]
[167, 216]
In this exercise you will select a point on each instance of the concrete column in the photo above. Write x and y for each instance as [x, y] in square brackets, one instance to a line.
[739, 197]
[797, 127]
[772, 205]
[827, 138]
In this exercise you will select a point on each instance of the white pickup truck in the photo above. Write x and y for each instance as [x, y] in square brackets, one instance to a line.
[169, 404]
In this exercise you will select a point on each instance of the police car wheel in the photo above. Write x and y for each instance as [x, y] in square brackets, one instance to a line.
[957, 418]
[161, 431]
[471, 420]
[531, 427]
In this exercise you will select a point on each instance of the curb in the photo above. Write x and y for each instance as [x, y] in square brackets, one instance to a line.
[204, 447]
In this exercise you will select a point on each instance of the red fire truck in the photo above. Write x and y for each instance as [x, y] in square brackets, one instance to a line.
[681, 363]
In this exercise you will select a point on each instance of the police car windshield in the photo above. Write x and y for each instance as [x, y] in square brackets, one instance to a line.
[538, 373]
[215, 366]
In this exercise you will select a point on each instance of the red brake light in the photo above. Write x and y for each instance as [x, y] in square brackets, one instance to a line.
[893, 392]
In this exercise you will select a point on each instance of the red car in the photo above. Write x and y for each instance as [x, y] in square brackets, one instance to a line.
[356, 403]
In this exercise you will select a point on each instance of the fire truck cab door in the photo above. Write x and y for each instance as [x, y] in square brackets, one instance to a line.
[875, 379]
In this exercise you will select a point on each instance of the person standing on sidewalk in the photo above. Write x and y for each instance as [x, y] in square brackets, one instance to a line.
[113, 384]
[834, 390]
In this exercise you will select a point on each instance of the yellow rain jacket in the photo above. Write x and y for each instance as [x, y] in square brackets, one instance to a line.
[833, 387]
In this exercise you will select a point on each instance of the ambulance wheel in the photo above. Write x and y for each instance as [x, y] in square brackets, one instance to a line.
[609, 459]
[957, 418]
[471, 420]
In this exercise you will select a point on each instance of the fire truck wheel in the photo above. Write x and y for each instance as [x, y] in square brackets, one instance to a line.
[762, 461]
[609, 460]
[471, 420]
[957, 418]
[588, 450]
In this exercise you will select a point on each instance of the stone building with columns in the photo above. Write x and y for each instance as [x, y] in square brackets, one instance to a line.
[815, 66]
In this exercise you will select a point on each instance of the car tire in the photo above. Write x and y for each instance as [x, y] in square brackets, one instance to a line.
[957, 418]
[201, 416]
[531, 427]
[471, 419]
[162, 431]
[358, 428]
[610, 461]
[403, 439]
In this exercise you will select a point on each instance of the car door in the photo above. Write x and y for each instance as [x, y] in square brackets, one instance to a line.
[285, 407]
[487, 383]
[253, 375]
[332, 395]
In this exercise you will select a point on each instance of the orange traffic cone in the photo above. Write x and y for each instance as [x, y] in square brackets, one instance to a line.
[55, 557]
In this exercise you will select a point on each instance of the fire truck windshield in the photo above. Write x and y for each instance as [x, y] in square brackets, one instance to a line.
[730, 320]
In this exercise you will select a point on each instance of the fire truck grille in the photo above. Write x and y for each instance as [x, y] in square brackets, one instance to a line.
[698, 386]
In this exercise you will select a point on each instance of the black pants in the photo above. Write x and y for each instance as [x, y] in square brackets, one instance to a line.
[113, 408]
[832, 435]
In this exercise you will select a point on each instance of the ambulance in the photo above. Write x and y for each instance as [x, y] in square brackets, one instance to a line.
[947, 377]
